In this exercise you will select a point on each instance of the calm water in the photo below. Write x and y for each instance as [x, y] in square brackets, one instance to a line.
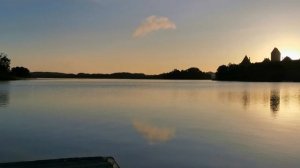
[147, 124]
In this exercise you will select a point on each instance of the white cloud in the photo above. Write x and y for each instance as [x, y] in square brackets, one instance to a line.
[153, 23]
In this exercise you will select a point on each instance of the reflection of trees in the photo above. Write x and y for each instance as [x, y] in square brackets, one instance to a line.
[246, 99]
[286, 97]
[4, 95]
[299, 96]
[275, 100]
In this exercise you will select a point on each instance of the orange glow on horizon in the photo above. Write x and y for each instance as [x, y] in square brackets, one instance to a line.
[292, 53]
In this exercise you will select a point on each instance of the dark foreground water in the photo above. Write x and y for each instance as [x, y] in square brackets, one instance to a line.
[150, 124]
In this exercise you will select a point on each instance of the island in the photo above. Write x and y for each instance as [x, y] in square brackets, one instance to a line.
[269, 70]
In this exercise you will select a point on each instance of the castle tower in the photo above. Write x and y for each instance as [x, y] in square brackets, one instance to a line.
[275, 55]
[246, 61]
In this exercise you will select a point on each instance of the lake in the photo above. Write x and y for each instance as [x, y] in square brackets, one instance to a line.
[152, 123]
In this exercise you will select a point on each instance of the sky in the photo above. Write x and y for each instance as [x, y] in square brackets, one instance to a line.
[149, 36]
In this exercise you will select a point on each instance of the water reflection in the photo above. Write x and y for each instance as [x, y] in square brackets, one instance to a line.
[275, 100]
[275, 97]
[4, 94]
[157, 122]
[246, 99]
[152, 133]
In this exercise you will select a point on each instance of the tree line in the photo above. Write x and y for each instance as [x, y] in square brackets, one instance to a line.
[8, 73]
[266, 71]
[188, 74]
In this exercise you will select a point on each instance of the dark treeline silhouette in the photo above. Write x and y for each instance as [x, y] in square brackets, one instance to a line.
[20, 72]
[4, 67]
[272, 70]
[8, 74]
[189, 74]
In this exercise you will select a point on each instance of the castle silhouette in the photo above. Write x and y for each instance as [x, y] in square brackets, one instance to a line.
[269, 70]
[275, 57]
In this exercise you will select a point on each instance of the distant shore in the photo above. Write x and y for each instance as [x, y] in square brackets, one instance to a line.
[189, 74]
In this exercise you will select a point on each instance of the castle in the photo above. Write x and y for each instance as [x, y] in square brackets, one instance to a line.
[275, 55]
[274, 69]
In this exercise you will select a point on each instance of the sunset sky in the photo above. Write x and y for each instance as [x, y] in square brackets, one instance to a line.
[149, 36]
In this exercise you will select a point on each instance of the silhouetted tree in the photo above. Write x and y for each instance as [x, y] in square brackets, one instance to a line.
[20, 72]
[222, 73]
[266, 60]
[287, 59]
[4, 63]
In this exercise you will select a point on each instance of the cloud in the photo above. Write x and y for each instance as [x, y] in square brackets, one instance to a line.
[153, 23]
[152, 133]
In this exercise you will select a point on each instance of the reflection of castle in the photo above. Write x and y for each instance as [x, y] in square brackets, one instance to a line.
[247, 98]
[275, 100]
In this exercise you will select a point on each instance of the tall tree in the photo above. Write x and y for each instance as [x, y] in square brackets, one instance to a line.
[4, 63]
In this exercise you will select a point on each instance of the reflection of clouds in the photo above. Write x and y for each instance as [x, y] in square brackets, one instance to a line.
[152, 133]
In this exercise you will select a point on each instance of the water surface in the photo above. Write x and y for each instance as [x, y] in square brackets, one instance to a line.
[152, 123]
